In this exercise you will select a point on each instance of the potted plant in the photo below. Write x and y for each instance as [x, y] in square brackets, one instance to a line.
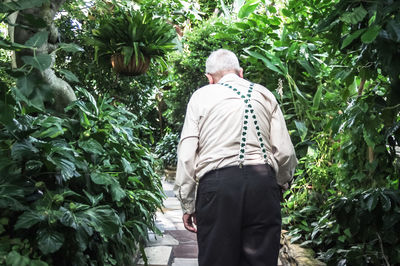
[132, 40]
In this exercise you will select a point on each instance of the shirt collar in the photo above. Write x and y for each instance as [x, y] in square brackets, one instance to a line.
[229, 77]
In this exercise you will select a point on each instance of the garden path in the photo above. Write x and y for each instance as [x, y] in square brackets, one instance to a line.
[177, 246]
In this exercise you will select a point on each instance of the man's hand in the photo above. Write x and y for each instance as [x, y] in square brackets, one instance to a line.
[189, 221]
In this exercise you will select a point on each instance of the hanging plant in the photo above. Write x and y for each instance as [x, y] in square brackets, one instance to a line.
[132, 40]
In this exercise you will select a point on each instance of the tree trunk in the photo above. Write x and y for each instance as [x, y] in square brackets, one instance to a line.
[63, 93]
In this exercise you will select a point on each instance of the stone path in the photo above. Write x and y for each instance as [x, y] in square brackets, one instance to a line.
[177, 246]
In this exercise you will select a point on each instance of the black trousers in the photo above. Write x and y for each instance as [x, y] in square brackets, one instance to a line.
[238, 217]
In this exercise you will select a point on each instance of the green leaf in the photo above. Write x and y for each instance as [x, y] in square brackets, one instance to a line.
[351, 37]
[308, 67]
[71, 47]
[23, 149]
[16, 259]
[302, 129]
[6, 114]
[317, 98]
[66, 167]
[100, 178]
[69, 75]
[40, 62]
[29, 219]
[249, 7]
[368, 138]
[371, 34]
[49, 241]
[94, 200]
[92, 146]
[117, 192]
[354, 17]
[372, 202]
[127, 52]
[104, 220]
[38, 39]
[127, 166]
[386, 202]
[265, 61]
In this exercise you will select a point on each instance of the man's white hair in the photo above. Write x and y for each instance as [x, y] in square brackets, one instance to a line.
[221, 60]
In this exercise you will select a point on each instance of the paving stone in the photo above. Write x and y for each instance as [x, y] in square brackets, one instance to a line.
[168, 185]
[185, 262]
[187, 247]
[165, 240]
[174, 216]
[186, 251]
[157, 256]
[169, 193]
[172, 203]
[163, 223]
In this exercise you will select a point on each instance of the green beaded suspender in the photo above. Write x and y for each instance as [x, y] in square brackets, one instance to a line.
[248, 110]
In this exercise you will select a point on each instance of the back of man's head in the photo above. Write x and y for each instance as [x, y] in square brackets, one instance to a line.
[222, 60]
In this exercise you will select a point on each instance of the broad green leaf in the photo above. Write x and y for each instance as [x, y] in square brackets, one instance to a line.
[51, 132]
[15, 5]
[354, 17]
[16, 259]
[6, 114]
[347, 233]
[386, 202]
[126, 165]
[49, 241]
[71, 47]
[371, 34]
[27, 84]
[101, 178]
[372, 201]
[117, 192]
[104, 220]
[308, 67]
[38, 39]
[317, 97]
[29, 219]
[69, 75]
[66, 167]
[92, 146]
[351, 37]
[302, 129]
[249, 7]
[40, 62]
[368, 138]
[23, 149]
[94, 200]
[265, 61]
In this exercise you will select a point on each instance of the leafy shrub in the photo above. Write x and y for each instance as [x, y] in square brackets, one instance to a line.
[75, 191]
[361, 229]
[166, 149]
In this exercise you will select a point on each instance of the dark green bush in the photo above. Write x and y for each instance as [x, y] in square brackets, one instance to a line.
[166, 149]
[76, 191]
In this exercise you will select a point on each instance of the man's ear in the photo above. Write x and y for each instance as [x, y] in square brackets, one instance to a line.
[210, 79]
[241, 72]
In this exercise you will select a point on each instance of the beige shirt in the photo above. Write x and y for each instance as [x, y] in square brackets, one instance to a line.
[212, 131]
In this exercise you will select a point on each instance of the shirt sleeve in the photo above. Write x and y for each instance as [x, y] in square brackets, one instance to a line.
[185, 182]
[282, 147]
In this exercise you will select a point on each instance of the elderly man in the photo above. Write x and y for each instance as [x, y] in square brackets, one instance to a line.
[235, 146]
